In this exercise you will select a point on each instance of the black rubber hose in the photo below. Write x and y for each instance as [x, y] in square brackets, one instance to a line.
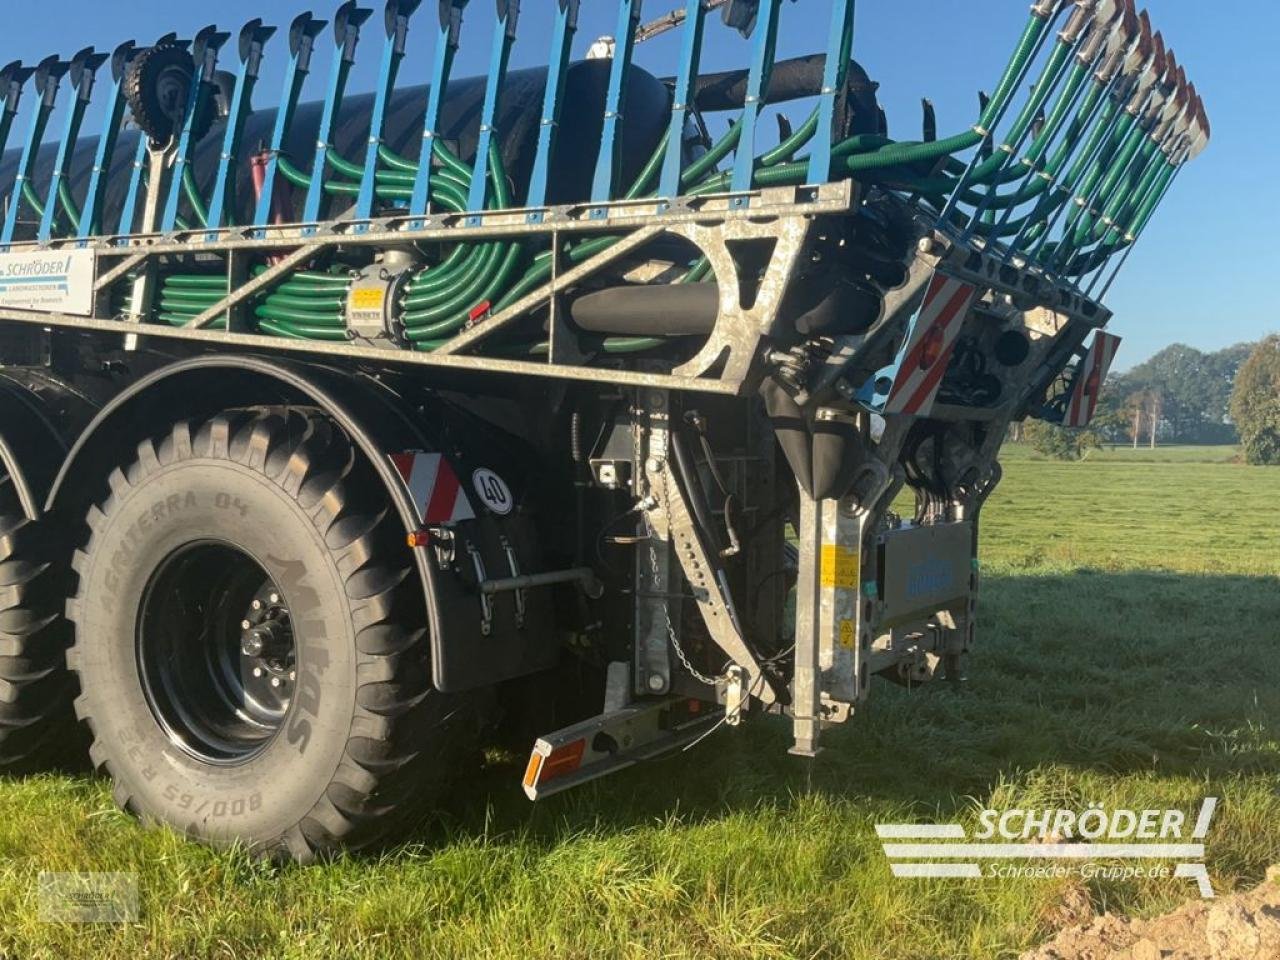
[695, 495]
[792, 430]
[659, 310]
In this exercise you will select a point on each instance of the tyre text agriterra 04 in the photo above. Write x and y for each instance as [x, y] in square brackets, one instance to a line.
[251, 641]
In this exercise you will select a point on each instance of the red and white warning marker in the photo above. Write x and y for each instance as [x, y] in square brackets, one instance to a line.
[1093, 373]
[433, 486]
[945, 307]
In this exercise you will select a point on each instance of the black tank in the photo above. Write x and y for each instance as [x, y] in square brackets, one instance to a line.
[646, 109]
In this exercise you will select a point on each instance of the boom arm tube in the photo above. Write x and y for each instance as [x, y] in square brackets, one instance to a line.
[302, 36]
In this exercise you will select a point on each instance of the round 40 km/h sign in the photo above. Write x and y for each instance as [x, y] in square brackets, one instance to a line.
[493, 491]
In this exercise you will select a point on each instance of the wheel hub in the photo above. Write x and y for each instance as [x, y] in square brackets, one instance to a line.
[266, 649]
[173, 87]
[216, 652]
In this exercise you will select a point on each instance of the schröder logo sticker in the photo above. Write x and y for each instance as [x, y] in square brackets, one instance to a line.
[1096, 842]
[493, 491]
[55, 281]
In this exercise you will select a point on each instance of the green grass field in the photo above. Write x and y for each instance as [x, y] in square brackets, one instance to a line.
[1017, 453]
[1128, 656]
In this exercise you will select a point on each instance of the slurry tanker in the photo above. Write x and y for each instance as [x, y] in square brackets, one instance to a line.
[340, 431]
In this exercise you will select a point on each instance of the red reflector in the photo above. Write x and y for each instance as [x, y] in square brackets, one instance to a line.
[479, 310]
[931, 348]
[419, 538]
[1091, 385]
[563, 760]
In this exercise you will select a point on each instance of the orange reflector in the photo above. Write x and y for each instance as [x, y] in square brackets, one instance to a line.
[419, 538]
[531, 772]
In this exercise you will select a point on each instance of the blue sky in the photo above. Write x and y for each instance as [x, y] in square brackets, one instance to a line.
[1202, 274]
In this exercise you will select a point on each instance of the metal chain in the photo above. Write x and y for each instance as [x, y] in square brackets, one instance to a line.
[666, 607]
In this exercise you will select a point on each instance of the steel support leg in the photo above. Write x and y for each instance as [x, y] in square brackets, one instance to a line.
[806, 690]
[834, 607]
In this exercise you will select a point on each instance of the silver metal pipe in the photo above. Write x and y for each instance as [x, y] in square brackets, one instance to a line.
[582, 575]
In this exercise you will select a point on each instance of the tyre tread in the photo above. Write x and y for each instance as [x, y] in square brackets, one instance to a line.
[37, 724]
[402, 731]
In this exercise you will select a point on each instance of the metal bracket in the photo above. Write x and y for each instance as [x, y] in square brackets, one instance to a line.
[486, 598]
[653, 576]
[737, 696]
[710, 590]
[611, 742]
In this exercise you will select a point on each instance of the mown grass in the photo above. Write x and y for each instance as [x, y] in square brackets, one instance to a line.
[1123, 453]
[1127, 657]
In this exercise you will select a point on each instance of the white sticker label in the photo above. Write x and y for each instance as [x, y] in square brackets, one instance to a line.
[493, 491]
[55, 281]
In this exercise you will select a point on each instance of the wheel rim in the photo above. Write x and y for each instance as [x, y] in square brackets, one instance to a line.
[171, 89]
[216, 652]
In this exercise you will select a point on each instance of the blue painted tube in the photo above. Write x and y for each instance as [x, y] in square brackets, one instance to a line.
[84, 67]
[1087, 206]
[566, 24]
[1066, 150]
[1055, 201]
[446, 47]
[504, 37]
[13, 77]
[690, 56]
[987, 125]
[397, 17]
[1045, 87]
[346, 34]
[48, 76]
[834, 73]
[766, 32]
[92, 211]
[253, 38]
[1136, 236]
[128, 212]
[610, 140]
[302, 36]
[204, 51]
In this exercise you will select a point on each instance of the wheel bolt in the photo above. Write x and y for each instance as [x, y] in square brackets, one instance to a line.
[246, 624]
[274, 598]
[257, 671]
[275, 681]
[257, 604]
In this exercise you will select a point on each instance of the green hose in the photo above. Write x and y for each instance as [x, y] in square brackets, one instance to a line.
[439, 300]
[192, 193]
[1052, 190]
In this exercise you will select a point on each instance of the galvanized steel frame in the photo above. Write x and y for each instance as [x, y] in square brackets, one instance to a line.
[783, 214]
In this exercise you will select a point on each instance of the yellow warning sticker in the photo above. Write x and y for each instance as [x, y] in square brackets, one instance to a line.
[847, 634]
[367, 298]
[839, 567]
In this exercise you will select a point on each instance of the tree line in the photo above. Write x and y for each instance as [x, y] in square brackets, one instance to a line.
[1184, 395]
[1180, 395]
